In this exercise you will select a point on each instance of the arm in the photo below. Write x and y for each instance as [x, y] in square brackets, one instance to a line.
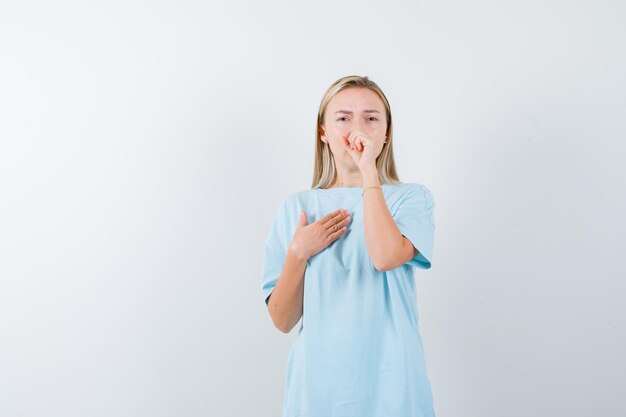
[386, 246]
[285, 301]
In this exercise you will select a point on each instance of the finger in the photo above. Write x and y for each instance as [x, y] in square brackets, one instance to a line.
[303, 219]
[344, 222]
[347, 142]
[335, 235]
[329, 216]
[354, 141]
[336, 224]
[359, 142]
[351, 138]
[334, 219]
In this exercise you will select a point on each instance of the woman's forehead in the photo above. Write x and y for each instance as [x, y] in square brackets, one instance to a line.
[356, 99]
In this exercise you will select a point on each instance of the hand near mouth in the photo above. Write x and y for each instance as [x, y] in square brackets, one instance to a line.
[360, 146]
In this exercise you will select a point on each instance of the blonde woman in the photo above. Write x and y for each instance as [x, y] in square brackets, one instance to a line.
[340, 256]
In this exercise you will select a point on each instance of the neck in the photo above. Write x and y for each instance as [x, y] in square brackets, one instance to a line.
[355, 179]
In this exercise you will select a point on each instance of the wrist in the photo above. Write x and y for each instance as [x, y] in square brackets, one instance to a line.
[297, 255]
[370, 177]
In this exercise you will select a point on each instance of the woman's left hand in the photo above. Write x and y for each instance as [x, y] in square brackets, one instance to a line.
[361, 148]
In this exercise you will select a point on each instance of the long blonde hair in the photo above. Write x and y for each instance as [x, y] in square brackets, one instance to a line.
[325, 173]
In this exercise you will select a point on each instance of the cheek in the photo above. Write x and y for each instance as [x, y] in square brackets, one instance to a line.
[340, 144]
[339, 136]
[337, 146]
[338, 130]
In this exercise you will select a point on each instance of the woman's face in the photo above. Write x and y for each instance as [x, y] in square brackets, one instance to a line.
[354, 108]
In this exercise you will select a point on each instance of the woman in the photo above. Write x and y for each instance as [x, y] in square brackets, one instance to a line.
[340, 256]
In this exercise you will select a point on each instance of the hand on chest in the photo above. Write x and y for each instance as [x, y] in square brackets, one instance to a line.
[347, 251]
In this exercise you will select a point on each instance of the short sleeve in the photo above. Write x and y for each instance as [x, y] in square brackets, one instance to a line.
[275, 251]
[414, 216]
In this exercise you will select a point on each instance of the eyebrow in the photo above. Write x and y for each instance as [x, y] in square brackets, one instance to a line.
[364, 111]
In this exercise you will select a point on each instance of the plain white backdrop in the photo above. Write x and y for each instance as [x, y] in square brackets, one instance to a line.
[144, 147]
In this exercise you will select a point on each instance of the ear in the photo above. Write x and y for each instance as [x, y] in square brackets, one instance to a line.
[320, 128]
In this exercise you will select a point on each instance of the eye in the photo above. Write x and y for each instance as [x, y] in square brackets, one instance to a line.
[342, 117]
[372, 117]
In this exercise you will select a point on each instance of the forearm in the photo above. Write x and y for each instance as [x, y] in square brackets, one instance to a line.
[382, 236]
[286, 300]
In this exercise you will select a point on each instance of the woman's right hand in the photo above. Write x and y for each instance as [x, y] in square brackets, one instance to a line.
[310, 239]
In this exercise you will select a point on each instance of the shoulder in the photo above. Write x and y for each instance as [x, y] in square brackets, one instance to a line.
[292, 199]
[297, 199]
[413, 189]
[288, 208]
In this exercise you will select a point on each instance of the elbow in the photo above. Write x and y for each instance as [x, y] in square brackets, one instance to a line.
[382, 267]
[385, 265]
[284, 321]
[279, 324]
[282, 327]
[392, 257]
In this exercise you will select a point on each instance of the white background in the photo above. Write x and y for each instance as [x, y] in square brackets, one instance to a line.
[144, 147]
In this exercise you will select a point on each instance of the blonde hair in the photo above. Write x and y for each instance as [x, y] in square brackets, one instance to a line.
[325, 173]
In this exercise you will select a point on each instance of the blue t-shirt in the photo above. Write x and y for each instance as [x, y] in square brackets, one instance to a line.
[358, 351]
